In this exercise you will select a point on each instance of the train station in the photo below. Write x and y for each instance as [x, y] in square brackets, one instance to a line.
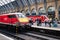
[29, 19]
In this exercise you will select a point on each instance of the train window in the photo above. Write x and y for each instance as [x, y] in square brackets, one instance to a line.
[11, 16]
[21, 16]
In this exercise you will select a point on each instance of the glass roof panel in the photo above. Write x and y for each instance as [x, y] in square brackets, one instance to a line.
[0, 5]
[38, 1]
[10, 5]
[14, 4]
[30, 1]
[3, 2]
[24, 2]
[19, 3]
[33, 1]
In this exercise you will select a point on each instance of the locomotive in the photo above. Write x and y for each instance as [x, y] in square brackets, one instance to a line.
[14, 19]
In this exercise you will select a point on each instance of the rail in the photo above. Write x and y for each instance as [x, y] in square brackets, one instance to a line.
[11, 34]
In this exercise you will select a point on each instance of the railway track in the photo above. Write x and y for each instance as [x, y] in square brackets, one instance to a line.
[29, 35]
[22, 36]
[12, 35]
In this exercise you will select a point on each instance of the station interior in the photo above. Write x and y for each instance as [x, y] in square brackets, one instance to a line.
[31, 25]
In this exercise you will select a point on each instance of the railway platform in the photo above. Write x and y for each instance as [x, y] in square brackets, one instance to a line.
[47, 30]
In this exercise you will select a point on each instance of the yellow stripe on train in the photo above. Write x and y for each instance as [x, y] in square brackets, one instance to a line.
[23, 19]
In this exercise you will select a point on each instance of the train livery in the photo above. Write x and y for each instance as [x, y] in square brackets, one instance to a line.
[14, 19]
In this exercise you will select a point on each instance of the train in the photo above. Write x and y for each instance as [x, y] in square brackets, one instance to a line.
[14, 19]
[43, 18]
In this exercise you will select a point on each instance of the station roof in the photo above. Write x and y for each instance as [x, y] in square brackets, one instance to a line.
[6, 5]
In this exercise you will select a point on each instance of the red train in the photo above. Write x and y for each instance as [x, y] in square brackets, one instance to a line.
[14, 19]
[35, 17]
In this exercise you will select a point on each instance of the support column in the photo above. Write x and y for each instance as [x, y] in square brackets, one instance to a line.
[56, 14]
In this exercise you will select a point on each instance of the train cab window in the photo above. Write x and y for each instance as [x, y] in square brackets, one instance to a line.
[21, 16]
[11, 16]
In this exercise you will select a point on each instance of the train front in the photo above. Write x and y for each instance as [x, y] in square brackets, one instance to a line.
[23, 20]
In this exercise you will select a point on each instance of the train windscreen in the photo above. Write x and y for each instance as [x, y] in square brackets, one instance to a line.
[21, 16]
[11, 16]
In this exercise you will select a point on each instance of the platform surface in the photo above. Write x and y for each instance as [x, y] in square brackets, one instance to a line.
[3, 37]
[47, 27]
